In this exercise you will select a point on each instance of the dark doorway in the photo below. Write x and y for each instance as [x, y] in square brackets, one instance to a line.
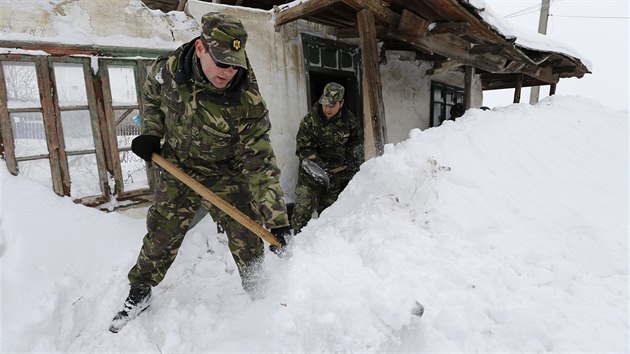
[327, 61]
[318, 80]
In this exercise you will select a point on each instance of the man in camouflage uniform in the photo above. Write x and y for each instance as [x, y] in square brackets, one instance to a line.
[203, 101]
[331, 137]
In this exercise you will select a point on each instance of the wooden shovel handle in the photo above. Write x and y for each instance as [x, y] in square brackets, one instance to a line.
[216, 200]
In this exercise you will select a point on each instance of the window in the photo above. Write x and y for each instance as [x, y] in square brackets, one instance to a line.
[67, 123]
[443, 97]
[121, 86]
[25, 126]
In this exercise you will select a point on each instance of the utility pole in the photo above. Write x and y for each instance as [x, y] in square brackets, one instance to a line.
[542, 29]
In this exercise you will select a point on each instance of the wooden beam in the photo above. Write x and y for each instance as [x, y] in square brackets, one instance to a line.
[412, 23]
[446, 45]
[440, 66]
[72, 49]
[451, 47]
[52, 124]
[487, 48]
[544, 73]
[552, 89]
[456, 28]
[302, 10]
[374, 110]
[379, 9]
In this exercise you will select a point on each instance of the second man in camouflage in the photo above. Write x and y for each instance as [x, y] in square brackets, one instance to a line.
[330, 136]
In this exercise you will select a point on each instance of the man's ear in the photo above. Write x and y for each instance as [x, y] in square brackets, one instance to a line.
[341, 101]
[199, 48]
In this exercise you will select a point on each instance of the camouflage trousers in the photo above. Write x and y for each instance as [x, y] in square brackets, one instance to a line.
[312, 196]
[170, 216]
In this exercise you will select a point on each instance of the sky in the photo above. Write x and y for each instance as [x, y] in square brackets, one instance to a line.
[598, 30]
[509, 226]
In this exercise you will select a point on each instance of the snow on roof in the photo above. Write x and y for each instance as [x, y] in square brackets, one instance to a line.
[525, 39]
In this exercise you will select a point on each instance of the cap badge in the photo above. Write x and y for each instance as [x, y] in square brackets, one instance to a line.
[236, 44]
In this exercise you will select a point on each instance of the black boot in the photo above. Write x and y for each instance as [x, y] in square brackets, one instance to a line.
[136, 302]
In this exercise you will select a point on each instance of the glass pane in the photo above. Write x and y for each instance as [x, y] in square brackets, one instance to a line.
[437, 113]
[37, 170]
[329, 57]
[70, 84]
[128, 126]
[77, 130]
[29, 135]
[346, 60]
[84, 179]
[134, 174]
[123, 85]
[450, 99]
[313, 55]
[21, 84]
[437, 94]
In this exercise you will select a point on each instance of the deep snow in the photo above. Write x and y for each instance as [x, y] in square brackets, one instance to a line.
[510, 226]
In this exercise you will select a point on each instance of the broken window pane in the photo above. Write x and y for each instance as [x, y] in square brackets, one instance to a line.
[29, 136]
[70, 84]
[123, 85]
[134, 174]
[21, 85]
[127, 126]
[37, 170]
[77, 130]
[84, 179]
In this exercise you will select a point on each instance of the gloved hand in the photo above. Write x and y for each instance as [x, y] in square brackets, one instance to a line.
[145, 145]
[280, 233]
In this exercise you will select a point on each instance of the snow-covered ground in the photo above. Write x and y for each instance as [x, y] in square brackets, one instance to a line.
[510, 226]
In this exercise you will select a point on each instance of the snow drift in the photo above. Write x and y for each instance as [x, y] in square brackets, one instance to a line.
[510, 226]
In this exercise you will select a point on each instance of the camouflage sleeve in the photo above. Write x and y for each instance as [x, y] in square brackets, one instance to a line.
[260, 169]
[354, 152]
[306, 143]
[152, 114]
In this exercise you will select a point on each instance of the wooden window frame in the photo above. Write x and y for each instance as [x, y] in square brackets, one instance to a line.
[101, 113]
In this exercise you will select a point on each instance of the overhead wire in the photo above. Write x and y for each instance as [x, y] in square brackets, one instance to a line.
[537, 8]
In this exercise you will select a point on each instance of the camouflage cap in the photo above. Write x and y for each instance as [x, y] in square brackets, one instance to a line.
[333, 93]
[226, 38]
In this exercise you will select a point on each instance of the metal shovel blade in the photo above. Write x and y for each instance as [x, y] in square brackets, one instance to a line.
[316, 171]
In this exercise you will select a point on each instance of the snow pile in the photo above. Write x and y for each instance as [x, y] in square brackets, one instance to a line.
[510, 226]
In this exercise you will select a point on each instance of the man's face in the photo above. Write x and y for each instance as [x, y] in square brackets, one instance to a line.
[330, 111]
[217, 76]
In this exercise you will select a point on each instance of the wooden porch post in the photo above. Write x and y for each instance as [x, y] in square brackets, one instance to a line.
[373, 108]
[517, 89]
[552, 89]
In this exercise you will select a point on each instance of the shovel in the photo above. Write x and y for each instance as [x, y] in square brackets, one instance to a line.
[225, 207]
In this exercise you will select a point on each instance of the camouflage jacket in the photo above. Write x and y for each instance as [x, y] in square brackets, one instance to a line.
[331, 142]
[215, 132]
